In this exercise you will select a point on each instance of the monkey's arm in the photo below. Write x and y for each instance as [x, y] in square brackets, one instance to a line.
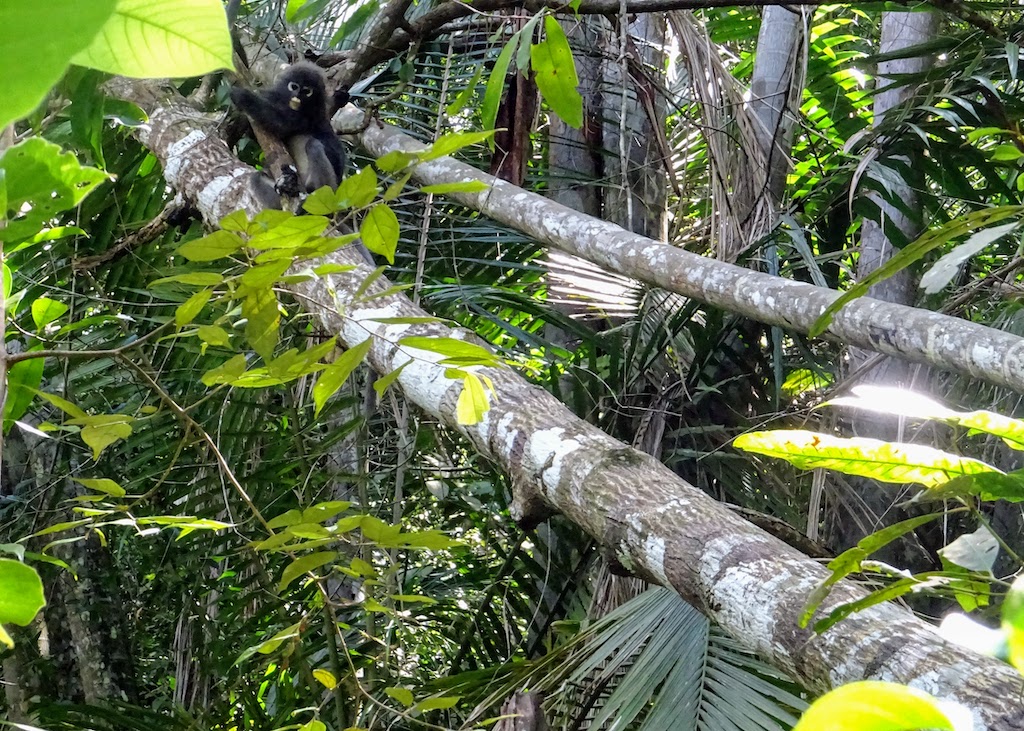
[276, 119]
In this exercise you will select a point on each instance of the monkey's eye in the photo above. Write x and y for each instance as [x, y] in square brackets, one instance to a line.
[293, 87]
[307, 92]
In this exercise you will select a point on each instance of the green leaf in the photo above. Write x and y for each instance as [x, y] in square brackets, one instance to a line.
[473, 402]
[402, 695]
[456, 352]
[1013, 622]
[236, 221]
[432, 540]
[496, 83]
[226, 372]
[213, 335]
[102, 430]
[357, 191]
[395, 160]
[104, 485]
[196, 279]
[264, 276]
[303, 565]
[434, 704]
[320, 202]
[886, 461]
[38, 40]
[337, 373]
[382, 383]
[41, 181]
[290, 232]
[188, 310]
[468, 186]
[263, 319]
[23, 381]
[216, 245]
[872, 705]
[325, 678]
[313, 725]
[320, 512]
[66, 406]
[46, 310]
[156, 38]
[21, 593]
[555, 71]
[380, 230]
[453, 142]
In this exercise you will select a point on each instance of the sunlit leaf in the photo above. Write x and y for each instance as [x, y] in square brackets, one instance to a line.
[872, 705]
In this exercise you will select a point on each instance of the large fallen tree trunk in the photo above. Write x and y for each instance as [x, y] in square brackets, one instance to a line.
[652, 522]
[917, 335]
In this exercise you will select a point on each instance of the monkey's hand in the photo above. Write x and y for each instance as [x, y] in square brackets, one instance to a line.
[288, 182]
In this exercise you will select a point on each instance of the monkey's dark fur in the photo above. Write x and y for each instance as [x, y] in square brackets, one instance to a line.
[295, 111]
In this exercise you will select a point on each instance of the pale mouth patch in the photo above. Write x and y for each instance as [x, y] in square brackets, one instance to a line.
[294, 102]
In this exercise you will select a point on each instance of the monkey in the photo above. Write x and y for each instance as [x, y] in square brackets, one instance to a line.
[295, 111]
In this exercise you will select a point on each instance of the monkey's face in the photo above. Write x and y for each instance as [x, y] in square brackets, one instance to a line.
[300, 95]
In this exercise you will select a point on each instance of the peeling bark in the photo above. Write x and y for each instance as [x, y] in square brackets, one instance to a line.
[661, 528]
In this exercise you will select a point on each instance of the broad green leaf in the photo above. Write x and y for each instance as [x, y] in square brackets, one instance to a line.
[414, 598]
[156, 38]
[313, 725]
[362, 568]
[912, 253]
[226, 372]
[325, 269]
[312, 531]
[432, 540]
[434, 704]
[102, 430]
[975, 551]
[38, 40]
[104, 485]
[188, 310]
[213, 335]
[468, 186]
[382, 383]
[395, 160]
[886, 461]
[195, 279]
[402, 695]
[268, 646]
[555, 71]
[380, 230]
[337, 373]
[872, 705]
[289, 233]
[291, 517]
[456, 352]
[41, 181]
[1006, 153]
[324, 511]
[325, 678]
[46, 310]
[357, 191]
[320, 202]
[216, 245]
[1013, 622]
[21, 593]
[303, 565]
[472, 403]
[263, 319]
[237, 222]
[264, 276]
[23, 381]
[496, 83]
[66, 406]
[453, 142]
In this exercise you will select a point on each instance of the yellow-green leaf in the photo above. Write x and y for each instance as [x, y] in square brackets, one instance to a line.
[46, 310]
[190, 308]
[155, 38]
[303, 565]
[357, 191]
[217, 245]
[472, 403]
[325, 678]
[104, 485]
[21, 593]
[466, 186]
[379, 231]
[402, 695]
[214, 335]
[335, 375]
[555, 70]
[886, 461]
[872, 705]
